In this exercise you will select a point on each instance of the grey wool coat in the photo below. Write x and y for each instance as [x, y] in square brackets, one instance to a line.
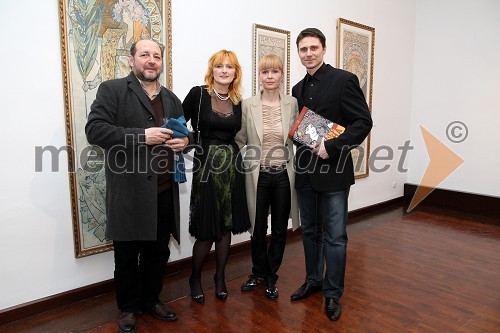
[251, 134]
[117, 121]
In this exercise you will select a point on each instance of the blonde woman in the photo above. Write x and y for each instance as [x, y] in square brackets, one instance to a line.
[218, 205]
[269, 178]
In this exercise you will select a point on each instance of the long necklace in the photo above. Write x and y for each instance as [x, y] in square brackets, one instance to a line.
[221, 97]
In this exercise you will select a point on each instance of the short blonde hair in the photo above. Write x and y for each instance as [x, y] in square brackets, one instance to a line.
[235, 86]
[270, 61]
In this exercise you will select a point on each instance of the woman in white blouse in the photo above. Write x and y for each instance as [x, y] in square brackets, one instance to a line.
[269, 178]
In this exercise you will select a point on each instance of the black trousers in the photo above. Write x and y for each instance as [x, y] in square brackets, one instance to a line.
[273, 190]
[139, 265]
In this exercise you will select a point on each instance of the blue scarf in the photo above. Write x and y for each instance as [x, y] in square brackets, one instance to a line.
[178, 125]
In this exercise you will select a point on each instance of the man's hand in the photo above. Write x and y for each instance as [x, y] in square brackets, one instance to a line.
[320, 150]
[177, 144]
[157, 135]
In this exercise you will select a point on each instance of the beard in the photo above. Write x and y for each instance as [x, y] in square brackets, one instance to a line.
[143, 76]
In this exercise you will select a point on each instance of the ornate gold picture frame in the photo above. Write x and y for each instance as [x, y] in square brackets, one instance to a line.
[355, 53]
[96, 36]
[268, 40]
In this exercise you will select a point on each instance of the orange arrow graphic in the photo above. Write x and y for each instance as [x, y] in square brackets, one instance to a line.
[443, 161]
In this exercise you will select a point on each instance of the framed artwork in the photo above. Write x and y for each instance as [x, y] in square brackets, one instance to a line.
[96, 36]
[355, 53]
[267, 40]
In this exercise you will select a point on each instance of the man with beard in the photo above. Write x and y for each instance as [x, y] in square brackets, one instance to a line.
[142, 200]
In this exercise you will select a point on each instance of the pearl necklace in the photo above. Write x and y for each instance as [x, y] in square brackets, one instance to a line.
[220, 97]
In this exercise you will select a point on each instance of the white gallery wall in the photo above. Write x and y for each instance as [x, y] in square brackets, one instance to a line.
[36, 239]
[456, 78]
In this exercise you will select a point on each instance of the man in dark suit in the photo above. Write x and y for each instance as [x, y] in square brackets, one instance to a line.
[142, 200]
[325, 173]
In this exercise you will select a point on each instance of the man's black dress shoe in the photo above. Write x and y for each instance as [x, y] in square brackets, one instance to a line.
[251, 283]
[271, 290]
[127, 323]
[162, 312]
[305, 291]
[333, 308]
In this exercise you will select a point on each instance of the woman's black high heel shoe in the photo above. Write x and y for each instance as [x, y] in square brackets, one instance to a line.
[220, 290]
[199, 298]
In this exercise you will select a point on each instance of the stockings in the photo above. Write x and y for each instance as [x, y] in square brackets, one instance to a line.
[201, 249]
[221, 254]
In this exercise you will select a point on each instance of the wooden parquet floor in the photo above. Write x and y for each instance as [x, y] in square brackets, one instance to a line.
[428, 271]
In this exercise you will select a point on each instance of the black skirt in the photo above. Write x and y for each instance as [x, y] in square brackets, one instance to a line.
[218, 196]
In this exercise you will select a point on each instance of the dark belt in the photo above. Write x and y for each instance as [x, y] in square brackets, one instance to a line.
[273, 168]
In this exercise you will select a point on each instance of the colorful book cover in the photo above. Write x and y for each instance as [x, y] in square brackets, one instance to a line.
[310, 128]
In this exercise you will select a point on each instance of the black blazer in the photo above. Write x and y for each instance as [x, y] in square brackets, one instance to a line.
[341, 100]
[117, 121]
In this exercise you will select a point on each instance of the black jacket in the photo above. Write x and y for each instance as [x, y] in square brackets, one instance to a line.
[117, 120]
[341, 100]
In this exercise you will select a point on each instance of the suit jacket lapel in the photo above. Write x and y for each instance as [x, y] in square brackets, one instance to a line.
[136, 87]
[285, 115]
[165, 101]
[256, 109]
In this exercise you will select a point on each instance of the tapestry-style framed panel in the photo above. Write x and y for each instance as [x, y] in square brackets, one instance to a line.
[268, 40]
[96, 36]
[355, 53]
